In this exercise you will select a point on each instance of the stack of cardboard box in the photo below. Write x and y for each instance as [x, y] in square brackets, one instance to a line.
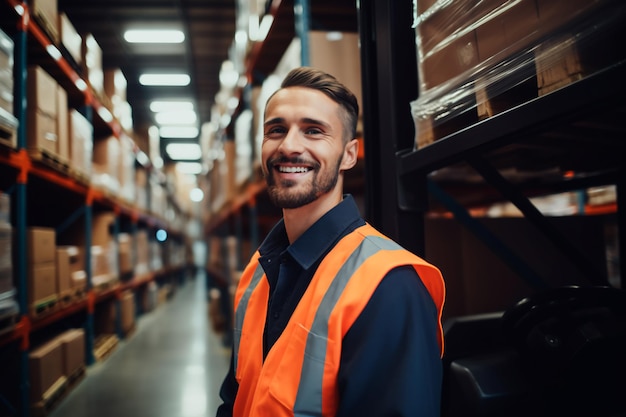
[8, 304]
[41, 260]
[8, 122]
[56, 365]
[481, 57]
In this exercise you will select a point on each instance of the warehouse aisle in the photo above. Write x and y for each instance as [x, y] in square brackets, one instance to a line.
[171, 367]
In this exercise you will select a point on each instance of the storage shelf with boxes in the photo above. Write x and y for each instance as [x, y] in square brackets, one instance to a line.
[480, 58]
[88, 238]
[540, 87]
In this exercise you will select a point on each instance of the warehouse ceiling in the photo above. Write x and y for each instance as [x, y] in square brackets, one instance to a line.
[209, 27]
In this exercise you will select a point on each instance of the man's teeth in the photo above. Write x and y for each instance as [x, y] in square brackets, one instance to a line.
[292, 169]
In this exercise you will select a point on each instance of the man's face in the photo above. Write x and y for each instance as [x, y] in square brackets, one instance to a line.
[302, 150]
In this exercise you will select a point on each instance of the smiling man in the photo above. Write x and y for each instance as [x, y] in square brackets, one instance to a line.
[331, 317]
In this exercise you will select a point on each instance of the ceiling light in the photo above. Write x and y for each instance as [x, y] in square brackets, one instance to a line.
[196, 195]
[165, 79]
[228, 74]
[178, 132]
[186, 117]
[169, 105]
[189, 167]
[334, 36]
[154, 36]
[183, 151]
[265, 26]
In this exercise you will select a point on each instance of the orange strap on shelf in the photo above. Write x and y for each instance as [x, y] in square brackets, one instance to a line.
[91, 301]
[23, 327]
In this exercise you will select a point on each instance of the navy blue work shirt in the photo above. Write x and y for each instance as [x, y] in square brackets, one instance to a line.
[390, 363]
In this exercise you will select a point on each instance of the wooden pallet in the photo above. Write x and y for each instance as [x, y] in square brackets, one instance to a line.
[553, 64]
[105, 285]
[72, 296]
[8, 135]
[104, 346]
[49, 159]
[79, 175]
[8, 322]
[51, 398]
[44, 307]
[76, 376]
[48, 27]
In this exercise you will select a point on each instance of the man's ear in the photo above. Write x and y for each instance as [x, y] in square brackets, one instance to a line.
[350, 155]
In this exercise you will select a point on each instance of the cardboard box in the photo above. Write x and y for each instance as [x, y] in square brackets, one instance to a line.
[554, 14]
[106, 156]
[45, 364]
[445, 24]
[70, 38]
[79, 280]
[127, 311]
[5, 208]
[41, 245]
[501, 34]
[6, 258]
[63, 140]
[422, 5]
[447, 44]
[102, 228]
[73, 351]
[41, 89]
[46, 14]
[42, 282]
[115, 84]
[68, 263]
[41, 110]
[340, 57]
[456, 58]
[81, 142]
[42, 132]
[125, 242]
[92, 63]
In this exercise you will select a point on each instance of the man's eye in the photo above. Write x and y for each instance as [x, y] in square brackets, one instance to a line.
[276, 130]
[312, 131]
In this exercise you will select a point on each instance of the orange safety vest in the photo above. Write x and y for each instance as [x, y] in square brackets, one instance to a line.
[300, 371]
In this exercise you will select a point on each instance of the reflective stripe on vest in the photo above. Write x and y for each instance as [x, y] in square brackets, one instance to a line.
[240, 313]
[312, 372]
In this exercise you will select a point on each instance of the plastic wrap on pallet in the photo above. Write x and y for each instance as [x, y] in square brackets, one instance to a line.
[6, 72]
[6, 44]
[8, 119]
[468, 47]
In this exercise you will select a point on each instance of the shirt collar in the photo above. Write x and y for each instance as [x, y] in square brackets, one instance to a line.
[318, 238]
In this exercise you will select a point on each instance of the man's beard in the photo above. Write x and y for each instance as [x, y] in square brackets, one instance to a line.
[284, 196]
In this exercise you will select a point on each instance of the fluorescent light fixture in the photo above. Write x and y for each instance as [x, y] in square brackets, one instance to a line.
[196, 195]
[53, 52]
[184, 151]
[170, 105]
[178, 132]
[189, 167]
[334, 36]
[19, 9]
[264, 27]
[142, 158]
[105, 114]
[165, 79]
[154, 36]
[186, 117]
[81, 84]
[228, 74]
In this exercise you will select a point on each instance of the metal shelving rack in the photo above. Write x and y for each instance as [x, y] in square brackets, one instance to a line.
[401, 179]
[81, 202]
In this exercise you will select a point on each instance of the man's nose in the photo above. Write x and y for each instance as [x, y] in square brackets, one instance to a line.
[292, 142]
